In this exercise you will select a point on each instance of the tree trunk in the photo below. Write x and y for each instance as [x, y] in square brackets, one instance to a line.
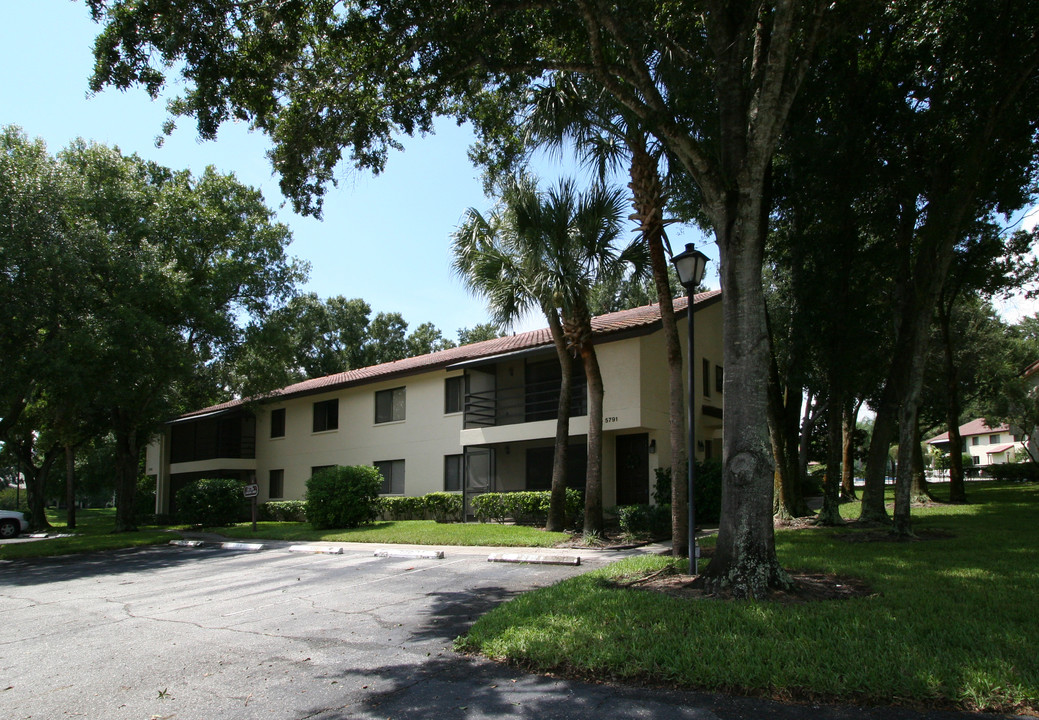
[784, 432]
[831, 512]
[126, 459]
[593, 519]
[557, 504]
[873, 508]
[957, 487]
[648, 203]
[919, 492]
[851, 412]
[745, 559]
[70, 487]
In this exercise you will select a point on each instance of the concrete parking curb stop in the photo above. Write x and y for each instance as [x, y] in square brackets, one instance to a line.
[411, 554]
[187, 543]
[535, 559]
[321, 550]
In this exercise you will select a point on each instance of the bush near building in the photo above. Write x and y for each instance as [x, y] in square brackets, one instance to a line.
[211, 502]
[343, 496]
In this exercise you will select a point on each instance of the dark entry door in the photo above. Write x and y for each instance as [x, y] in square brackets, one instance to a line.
[633, 469]
[479, 475]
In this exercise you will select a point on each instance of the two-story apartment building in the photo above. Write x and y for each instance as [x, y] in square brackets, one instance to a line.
[471, 419]
[986, 445]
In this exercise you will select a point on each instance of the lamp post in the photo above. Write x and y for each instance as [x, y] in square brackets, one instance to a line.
[690, 266]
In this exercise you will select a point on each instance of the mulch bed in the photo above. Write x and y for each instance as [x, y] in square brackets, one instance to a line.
[807, 587]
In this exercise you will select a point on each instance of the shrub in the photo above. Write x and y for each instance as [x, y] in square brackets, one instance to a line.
[707, 491]
[211, 503]
[444, 507]
[1019, 472]
[662, 490]
[343, 497]
[8, 496]
[654, 520]
[489, 507]
[403, 508]
[144, 501]
[284, 510]
[526, 507]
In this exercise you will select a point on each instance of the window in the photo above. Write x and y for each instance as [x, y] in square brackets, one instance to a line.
[1017, 437]
[975, 440]
[326, 415]
[392, 472]
[278, 423]
[454, 394]
[719, 379]
[706, 377]
[318, 468]
[453, 472]
[389, 405]
[993, 439]
[276, 486]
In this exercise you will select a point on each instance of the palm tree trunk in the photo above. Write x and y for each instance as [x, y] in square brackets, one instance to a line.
[593, 519]
[648, 203]
[557, 504]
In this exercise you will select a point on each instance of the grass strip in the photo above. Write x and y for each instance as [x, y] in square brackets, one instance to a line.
[410, 532]
[95, 531]
[952, 621]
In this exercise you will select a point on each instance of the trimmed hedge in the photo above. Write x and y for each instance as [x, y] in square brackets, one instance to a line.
[343, 497]
[444, 507]
[1017, 472]
[526, 508]
[284, 510]
[642, 520]
[211, 502]
[707, 490]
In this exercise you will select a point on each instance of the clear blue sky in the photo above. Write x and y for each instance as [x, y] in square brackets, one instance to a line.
[384, 239]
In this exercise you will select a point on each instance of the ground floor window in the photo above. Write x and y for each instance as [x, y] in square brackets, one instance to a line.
[453, 472]
[276, 485]
[392, 472]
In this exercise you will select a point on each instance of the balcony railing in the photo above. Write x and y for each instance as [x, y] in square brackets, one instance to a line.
[522, 403]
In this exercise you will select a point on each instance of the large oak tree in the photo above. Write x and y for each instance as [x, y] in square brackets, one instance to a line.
[713, 80]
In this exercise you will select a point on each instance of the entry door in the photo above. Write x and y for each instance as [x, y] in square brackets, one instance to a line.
[633, 469]
[479, 474]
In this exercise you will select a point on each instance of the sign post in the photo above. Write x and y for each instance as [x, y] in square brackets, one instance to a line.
[251, 491]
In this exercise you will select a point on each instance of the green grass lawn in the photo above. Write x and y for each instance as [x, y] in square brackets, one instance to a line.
[416, 532]
[95, 530]
[954, 620]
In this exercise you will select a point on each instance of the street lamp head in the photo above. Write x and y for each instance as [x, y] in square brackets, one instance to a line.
[690, 266]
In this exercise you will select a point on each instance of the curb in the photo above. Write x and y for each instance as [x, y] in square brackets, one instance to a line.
[535, 559]
[329, 550]
[411, 554]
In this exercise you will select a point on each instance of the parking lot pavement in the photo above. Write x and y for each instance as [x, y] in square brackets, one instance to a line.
[186, 633]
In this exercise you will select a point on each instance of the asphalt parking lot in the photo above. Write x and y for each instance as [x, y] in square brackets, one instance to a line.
[183, 633]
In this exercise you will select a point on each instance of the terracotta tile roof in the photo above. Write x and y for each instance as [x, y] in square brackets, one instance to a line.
[1031, 369]
[974, 427]
[999, 449]
[603, 327]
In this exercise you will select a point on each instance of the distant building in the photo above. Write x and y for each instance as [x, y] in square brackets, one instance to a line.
[986, 445]
[471, 419]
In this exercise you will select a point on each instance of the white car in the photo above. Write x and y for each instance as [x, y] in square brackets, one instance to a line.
[12, 523]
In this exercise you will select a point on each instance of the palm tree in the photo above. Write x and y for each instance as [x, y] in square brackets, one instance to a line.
[546, 251]
[608, 137]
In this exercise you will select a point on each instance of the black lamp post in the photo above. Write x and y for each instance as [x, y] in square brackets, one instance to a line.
[690, 266]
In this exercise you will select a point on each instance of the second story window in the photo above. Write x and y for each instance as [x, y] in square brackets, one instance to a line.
[454, 394]
[706, 377]
[278, 423]
[993, 439]
[326, 415]
[390, 405]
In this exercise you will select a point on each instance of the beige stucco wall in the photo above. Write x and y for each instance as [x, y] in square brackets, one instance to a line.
[422, 439]
[636, 400]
